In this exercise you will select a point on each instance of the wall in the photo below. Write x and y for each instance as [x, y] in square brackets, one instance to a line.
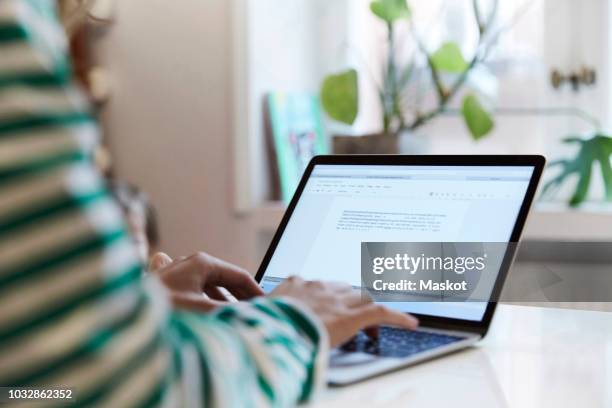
[169, 122]
[285, 46]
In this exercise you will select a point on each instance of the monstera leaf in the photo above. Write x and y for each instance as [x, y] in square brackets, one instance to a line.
[598, 149]
[448, 58]
[340, 96]
[477, 119]
[390, 10]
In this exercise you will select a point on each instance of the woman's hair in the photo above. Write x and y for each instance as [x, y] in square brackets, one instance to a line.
[128, 196]
[74, 13]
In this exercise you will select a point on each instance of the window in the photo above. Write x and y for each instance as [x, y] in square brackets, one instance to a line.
[291, 46]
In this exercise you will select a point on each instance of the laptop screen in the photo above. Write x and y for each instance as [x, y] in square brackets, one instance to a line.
[322, 239]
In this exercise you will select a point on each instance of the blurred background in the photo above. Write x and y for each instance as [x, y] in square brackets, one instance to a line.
[213, 107]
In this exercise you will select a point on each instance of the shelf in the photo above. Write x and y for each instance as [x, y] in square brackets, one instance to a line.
[553, 221]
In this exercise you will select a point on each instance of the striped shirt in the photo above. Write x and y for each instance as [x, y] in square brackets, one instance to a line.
[75, 310]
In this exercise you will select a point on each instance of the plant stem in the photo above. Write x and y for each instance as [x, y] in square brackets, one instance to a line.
[477, 15]
[388, 69]
[390, 96]
[396, 110]
[444, 96]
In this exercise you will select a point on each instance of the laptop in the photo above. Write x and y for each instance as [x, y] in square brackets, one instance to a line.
[339, 204]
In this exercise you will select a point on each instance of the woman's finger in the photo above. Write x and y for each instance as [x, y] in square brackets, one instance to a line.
[372, 332]
[201, 272]
[215, 293]
[235, 279]
[356, 298]
[376, 315]
[159, 260]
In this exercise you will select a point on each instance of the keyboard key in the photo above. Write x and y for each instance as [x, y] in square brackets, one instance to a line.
[399, 343]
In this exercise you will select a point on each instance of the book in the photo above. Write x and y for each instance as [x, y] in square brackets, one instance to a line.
[295, 127]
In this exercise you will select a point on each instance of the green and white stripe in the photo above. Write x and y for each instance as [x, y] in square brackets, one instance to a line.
[75, 310]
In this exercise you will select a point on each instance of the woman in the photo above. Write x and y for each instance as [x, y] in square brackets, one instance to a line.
[76, 310]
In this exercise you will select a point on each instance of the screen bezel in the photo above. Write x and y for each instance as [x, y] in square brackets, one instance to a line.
[537, 162]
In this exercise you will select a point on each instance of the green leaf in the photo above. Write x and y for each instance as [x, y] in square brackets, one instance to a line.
[390, 10]
[340, 96]
[477, 119]
[606, 170]
[448, 58]
[582, 188]
[597, 149]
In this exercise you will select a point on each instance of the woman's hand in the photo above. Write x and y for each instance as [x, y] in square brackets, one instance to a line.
[194, 281]
[343, 310]
[194, 285]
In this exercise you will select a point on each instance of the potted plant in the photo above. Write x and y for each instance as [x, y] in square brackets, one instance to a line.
[593, 150]
[448, 75]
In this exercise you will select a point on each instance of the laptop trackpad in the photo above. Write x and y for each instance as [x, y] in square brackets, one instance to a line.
[340, 358]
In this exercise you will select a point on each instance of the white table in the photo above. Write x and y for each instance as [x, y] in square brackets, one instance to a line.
[532, 357]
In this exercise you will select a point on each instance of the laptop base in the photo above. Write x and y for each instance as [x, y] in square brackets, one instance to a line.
[349, 367]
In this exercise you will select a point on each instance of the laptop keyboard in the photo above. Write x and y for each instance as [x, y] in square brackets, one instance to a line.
[398, 343]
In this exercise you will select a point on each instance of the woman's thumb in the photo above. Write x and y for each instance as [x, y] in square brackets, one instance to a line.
[158, 261]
